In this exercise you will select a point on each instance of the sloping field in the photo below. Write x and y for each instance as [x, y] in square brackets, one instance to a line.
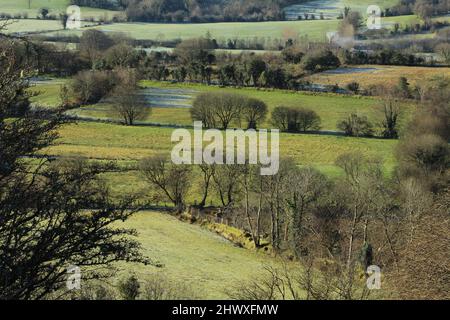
[115, 142]
[198, 258]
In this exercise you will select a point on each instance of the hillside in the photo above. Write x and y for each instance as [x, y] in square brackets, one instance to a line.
[193, 256]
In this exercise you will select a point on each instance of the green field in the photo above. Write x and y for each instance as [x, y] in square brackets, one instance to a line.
[330, 107]
[116, 142]
[28, 25]
[55, 7]
[312, 29]
[196, 257]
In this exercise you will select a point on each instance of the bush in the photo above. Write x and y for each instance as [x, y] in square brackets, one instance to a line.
[129, 288]
[426, 152]
[356, 126]
[295, 119]
[91, 86]
[353, 87]
[320, 61]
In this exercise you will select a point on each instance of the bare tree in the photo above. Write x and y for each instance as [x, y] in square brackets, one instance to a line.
[254, 112]
[225, 178]
[173, 180]
[443, 49]
[391, 112]
[207, 175]
[129, 106]
[127, 103]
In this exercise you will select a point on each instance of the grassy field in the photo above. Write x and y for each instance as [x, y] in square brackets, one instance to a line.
[330, 107]
[27, 25]
[312, 29]
[55, 7]
[373, 75]
[35, 25]
[201, 260]
[115, 142]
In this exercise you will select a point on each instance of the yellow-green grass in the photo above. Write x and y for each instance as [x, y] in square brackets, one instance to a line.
[35, 25]
[48, 93]
[380, 75]
[330, 107]
[55, 8]
[312, 29]
[192, 255]
[116, 142]
[28, 25]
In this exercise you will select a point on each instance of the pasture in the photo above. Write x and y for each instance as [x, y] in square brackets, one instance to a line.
[102, 141]
[193, 256]
[171, 102]
[367, 75]
[315, 30]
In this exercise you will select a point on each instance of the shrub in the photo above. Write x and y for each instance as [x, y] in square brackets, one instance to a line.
[426, 152]
[295, 119]
[320, 61]
[91, 86]
[356, 126]
[353, 87]
[129, 288]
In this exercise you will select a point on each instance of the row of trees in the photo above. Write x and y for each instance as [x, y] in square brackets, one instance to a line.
[195, 60]
[219, 110]
[358, 220]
